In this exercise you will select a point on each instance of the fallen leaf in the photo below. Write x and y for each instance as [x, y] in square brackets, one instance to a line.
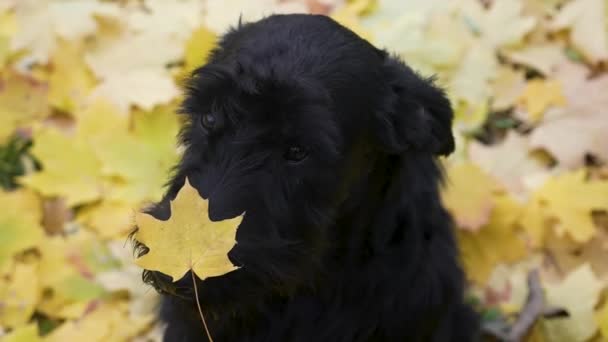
[78, 183]
[197, 48]
[143, 172]
[70, 80]
[540, 95]
[544, 58]
[143, 88]
[25, 333]
[501, 24]
[586, 20]
[507, 87]
[570, 198]
[494, 243]
[469, 195]
[40, 20]
[509, 161]
[109, 219]
[22, 99]
[584, 121]
[20, 227]
[19, 295]
[601, 319]
[580, 325]
[188, 240]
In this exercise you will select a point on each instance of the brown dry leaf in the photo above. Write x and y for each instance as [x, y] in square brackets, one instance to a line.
[55, 215]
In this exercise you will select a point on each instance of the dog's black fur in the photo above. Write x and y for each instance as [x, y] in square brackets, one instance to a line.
[328, 145]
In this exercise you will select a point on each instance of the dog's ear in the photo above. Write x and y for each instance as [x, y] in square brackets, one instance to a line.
[414, 115]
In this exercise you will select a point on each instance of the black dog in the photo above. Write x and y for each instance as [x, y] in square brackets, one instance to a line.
[328, 144]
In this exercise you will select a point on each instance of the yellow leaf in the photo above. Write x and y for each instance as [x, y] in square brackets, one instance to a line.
[143, 171]
[601, 318]
[188, 240]
[534, 222]
[22, 100]
[67, 267]
[469, 195]
[571, 199]
[108, 219]
[19, 295]
[70, 80]
[198, 48]
[494, 243]
[507, 87]
[74, 173]
[20, 227]
[348, 17]
[108, 322]
[100, 118]
[540, 95]
[26, 333]
[577, 293]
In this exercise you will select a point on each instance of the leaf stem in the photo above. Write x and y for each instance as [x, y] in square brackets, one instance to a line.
[200, 310]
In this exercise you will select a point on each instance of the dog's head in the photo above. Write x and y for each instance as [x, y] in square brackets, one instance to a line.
[286, 123]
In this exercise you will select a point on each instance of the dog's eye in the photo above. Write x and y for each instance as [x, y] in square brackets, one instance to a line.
[295, 153]
[208, 120]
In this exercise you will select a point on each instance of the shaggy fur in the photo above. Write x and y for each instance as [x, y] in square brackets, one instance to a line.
[328, 145]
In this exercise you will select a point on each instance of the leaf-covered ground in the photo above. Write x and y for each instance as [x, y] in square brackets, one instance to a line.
[88, 91]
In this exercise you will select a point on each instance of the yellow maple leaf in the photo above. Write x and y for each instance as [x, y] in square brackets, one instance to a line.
[539, 95]
[571, 199]
[601, 317]
[69, 81]
[19, 295]
[22, 99]
[534, 221]
[69, 168]
[20, 227]
[140, 174]
[197, 49]
[469, 195]
[25, 333]
[506, 87]
[67, 265]
[577, 293]
[109, 219]
[188, 240]
[494, 243]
